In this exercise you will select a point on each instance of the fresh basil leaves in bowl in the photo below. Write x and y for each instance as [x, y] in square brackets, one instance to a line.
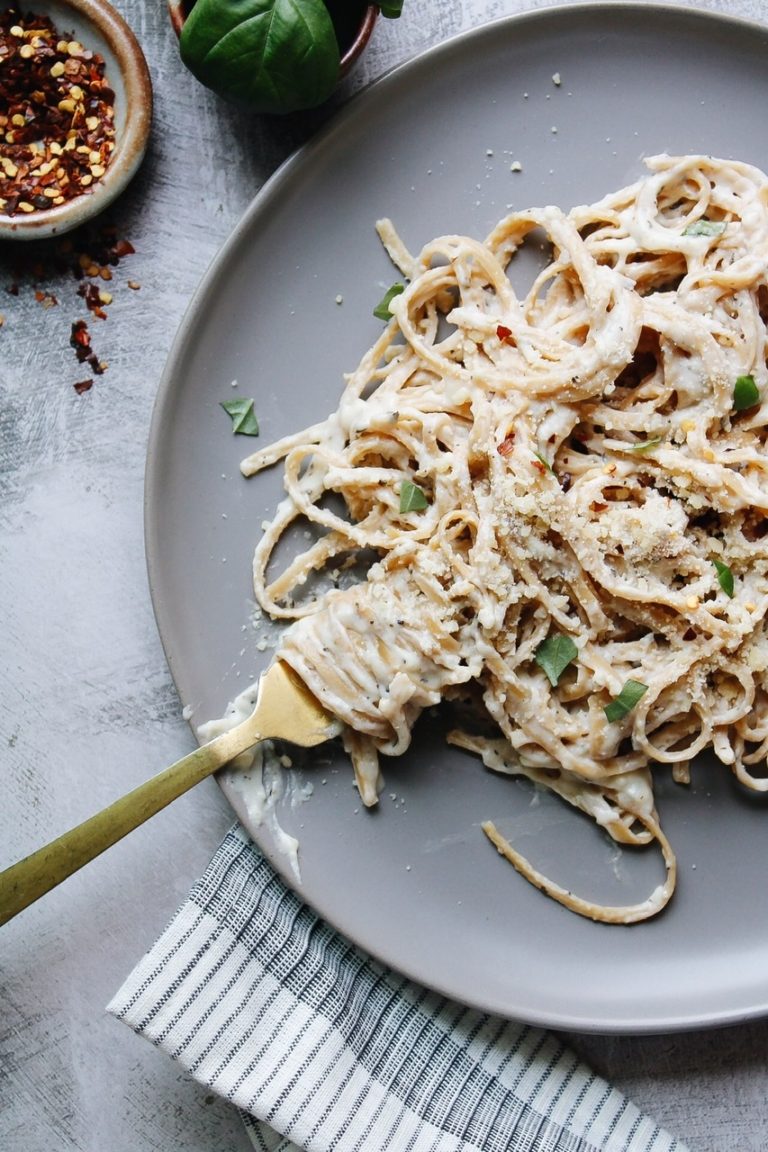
[275, 56]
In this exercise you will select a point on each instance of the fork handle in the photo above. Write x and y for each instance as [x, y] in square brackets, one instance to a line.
[32, 877]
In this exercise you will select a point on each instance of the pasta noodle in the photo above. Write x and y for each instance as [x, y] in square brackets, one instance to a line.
[562, 497]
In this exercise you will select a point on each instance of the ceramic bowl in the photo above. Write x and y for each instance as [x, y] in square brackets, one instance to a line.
[178, 10]
[98, 27]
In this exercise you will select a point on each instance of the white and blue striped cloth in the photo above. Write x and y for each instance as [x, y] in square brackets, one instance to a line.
[324, 1049]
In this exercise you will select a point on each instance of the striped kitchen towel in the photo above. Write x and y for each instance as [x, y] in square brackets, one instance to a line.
[323, 1048]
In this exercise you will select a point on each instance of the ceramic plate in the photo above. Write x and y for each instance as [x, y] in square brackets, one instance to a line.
[415, 883]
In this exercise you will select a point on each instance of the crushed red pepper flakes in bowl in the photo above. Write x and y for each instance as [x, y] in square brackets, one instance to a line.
[75, 113]
[57, 131]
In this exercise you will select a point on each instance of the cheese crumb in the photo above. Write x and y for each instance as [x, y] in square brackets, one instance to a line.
[556, 79]
[515, 166]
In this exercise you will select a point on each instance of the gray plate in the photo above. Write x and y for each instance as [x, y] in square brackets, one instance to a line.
[415, 883]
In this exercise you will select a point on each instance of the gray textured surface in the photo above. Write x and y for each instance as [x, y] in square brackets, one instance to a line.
[88, 706]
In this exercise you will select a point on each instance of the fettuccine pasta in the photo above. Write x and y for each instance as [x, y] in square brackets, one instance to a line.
[563, 499]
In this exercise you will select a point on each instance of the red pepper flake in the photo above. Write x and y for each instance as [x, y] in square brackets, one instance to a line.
[80, 339]
[598, 506]
[97, 249]
[507, 446]
[541, 467]
[503, 333]
[56, 115]
[81, 342]
[123, 248]
[83, 386]
[95, 299]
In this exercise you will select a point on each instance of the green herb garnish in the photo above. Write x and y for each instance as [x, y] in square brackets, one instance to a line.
[705, 228]
[622, 704]
[382, 310]
[647, 445]
[412, 498]
[554, 655]
[243, 416]
[745, 393]
[391, 8]
[724, 577]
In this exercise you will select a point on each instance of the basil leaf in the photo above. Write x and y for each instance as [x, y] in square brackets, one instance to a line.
[705, 228]
[647, 445]
[724, 577]
[243, 416]
[274, 55]
[391, 8]
[745, 393]
[382, 309]
[554, 655]
[622, 704]
[412, 498]
[543, 460]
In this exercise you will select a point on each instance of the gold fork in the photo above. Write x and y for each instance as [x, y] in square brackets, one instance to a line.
[285, 710]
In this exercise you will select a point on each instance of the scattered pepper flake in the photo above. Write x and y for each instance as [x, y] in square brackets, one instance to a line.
[97, 247]
[83, 386]
[80, 339]
[93, 299]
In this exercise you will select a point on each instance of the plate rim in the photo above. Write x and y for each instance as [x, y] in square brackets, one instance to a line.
[163, 402]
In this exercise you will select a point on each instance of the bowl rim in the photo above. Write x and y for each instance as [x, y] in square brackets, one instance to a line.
[130, 144]
[355, 50]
